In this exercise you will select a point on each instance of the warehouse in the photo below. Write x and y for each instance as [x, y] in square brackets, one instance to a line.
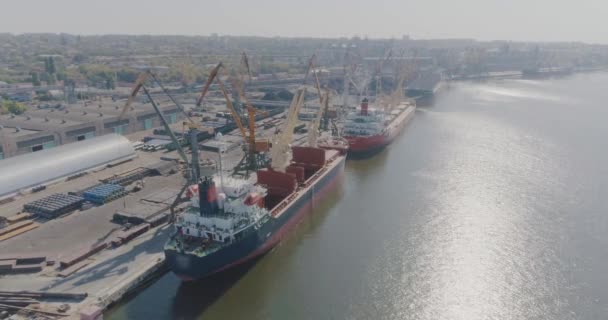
[40, 129]
[46, 166]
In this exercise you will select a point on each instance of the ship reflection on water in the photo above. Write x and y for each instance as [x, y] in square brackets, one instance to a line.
[194, 297]
[170, 298]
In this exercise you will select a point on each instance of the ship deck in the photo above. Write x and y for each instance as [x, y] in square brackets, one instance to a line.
[333, 157]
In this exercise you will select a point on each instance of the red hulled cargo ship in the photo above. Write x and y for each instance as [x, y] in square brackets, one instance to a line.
[369, 130]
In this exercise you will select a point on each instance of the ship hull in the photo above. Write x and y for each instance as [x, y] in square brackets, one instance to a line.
[189, 267]
[360, 147]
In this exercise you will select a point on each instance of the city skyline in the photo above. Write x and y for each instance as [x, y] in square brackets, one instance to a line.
[518, 20]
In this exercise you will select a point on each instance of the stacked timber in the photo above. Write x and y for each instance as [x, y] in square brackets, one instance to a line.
[81, 255]
[17, 228]
[17, 264]
[133, 233]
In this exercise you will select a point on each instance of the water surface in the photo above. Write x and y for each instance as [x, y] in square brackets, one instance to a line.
[491, 205]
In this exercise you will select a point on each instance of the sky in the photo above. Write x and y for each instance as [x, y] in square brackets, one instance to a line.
[518, 20]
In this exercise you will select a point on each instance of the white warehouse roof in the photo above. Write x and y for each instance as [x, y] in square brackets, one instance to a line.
[37, 168]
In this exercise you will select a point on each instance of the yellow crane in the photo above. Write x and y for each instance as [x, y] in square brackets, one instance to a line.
[252, 159]
[313, 132]
[280, 152]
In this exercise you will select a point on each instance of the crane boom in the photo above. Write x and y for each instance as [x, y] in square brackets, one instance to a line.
[311, 66]
[245, 63]
[250, 160]
[212, 75]
[230, 106]
[313, 132]
[279, 152]
[179, 106]
[379, 72]
[139, 85]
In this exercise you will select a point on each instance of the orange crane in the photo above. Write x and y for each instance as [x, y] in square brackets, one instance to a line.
[255, 147]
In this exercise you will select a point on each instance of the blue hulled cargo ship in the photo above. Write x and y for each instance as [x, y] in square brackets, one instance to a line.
[237, 220]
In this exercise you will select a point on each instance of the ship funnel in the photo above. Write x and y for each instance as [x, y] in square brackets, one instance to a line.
[207, 196]
[364, 106]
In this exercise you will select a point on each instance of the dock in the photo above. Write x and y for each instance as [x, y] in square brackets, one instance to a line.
[97, 249]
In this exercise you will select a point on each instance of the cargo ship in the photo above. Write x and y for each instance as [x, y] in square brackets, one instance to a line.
[237, 220]
[369, 130]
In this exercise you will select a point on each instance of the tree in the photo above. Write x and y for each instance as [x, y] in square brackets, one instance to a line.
[51, 79]
[49, 65]
[110, 83]
[52, 68]
[43, 96]
[284, 95]
[13, 107]
[35, 79]
[125, 75]
[79, 58]
[61, 76]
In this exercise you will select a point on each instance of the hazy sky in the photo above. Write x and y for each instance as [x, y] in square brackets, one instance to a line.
[546, 20]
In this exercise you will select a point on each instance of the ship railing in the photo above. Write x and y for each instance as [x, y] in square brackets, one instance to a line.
[284, 203]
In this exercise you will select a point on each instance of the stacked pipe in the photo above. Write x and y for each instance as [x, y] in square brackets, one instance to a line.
[54, 205]
[104, 193]
[125, 180]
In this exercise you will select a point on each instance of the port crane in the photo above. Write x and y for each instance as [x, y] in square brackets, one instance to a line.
[349, 69]
[193, 167]
[405, 72]
[379, 66]
[321, 118]
[255, 148]
[280, 152]
[315, 125]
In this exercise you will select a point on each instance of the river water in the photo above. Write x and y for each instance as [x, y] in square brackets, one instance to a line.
[492, 204]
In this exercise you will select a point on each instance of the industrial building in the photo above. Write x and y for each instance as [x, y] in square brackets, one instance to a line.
[38, 169]
[40, 129]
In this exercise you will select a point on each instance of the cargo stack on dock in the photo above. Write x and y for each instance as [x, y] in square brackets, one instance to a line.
[104, 193]
[54, 205]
